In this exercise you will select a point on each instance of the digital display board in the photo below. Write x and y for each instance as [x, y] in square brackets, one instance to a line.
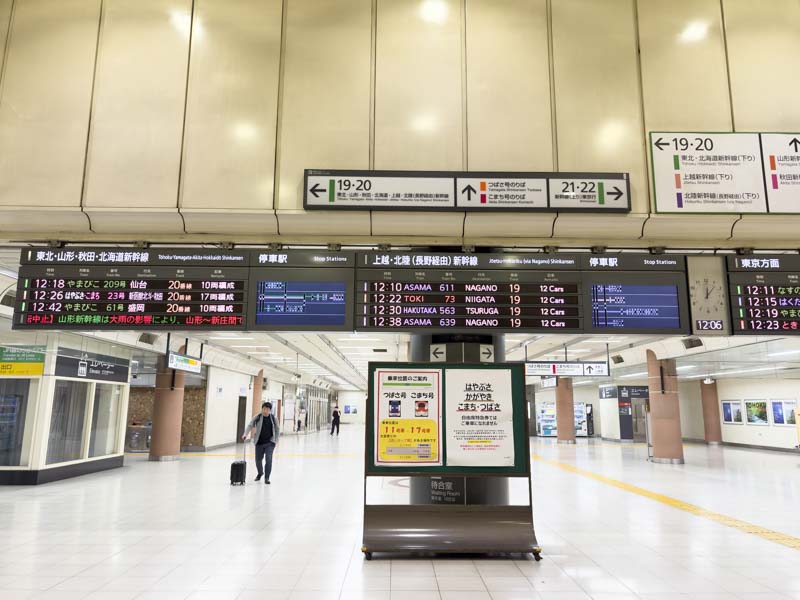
[301, 291]
[132, 289]
[438, 291]
[538, 293]
[764, 294]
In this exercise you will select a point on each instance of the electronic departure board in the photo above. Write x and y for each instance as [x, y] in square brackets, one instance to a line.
[469, 292]
[131, 289]
[301, 291]
[764, 293]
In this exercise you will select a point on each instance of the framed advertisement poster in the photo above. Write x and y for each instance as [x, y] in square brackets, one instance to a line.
[756, 411]
[732, 412]
[480, 418]
[784, 412]
[408, 405]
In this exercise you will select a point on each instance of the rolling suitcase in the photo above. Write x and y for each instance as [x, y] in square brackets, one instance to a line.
[239, 469]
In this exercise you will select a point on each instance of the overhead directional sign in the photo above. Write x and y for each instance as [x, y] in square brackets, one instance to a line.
[438, 353]
[707, 172]
[781, 158]
[465, 191]
[487, 353]
[545, 368]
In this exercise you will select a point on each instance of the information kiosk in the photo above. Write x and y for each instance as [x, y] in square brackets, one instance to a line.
[446, 423]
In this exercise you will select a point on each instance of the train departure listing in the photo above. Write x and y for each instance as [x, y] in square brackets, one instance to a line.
[764, 294]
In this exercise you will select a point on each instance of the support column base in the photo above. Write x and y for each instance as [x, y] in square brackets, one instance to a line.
[714, 443]
[667, 461]
[165, 458]
[566, 441]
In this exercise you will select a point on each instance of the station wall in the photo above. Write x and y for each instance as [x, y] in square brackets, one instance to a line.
[165, 117]
[353, 399]
[222, 405]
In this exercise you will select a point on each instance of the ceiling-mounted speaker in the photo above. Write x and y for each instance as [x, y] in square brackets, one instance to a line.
[692, 342]
[617, 359]
[148, 338]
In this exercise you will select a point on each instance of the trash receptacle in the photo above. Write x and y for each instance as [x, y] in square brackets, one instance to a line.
[137, 438]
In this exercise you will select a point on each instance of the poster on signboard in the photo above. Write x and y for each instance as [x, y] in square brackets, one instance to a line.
[480, 418]
[408, 417]
[756, 412]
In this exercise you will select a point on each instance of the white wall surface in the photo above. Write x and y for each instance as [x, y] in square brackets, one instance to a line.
[692, 425]
[357, 399]
[582, 393]
[222, 405]
[773, 436]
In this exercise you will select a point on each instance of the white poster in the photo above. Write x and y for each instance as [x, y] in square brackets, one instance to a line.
[480, 418]
[408, 417]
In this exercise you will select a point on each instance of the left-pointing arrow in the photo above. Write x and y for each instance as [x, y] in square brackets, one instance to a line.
[317, 190]
[616, 194]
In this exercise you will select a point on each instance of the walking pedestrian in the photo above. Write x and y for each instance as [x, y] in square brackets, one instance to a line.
[263, 430]
[337, 417]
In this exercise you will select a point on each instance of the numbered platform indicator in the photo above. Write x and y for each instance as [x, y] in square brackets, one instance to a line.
[465, 191]
[309, 303]
[707, 172]
[781, 158]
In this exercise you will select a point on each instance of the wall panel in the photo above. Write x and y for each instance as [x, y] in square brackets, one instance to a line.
[598, 100]
[418, 92]
[764, 56]
[508, 86]
[684, 77]
[44, 101]
[326, 94]
[137, 121]
[5, 22]
[232, 105]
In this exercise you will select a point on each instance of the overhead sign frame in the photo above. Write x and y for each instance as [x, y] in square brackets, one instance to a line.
[550, 368]
[460, 191]
[184, 362]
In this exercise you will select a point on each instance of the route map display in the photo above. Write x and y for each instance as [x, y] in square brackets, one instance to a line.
[131, 289]
[301, 291]
[764, 294]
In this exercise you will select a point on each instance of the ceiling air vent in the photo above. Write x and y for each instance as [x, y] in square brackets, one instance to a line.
[617, 359]
[8, 299]
[148, 338]
[692, 342]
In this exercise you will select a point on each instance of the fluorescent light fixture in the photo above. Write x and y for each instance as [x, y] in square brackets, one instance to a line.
[629, 375]
[357, 338]
[685, 368]
[740, 371]
[785, 353]
[582, 383]
[251, 346]
[694, 31]
[9, 274]
[434, 11]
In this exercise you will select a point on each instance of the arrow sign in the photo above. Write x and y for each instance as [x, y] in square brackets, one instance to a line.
[795, 143]
[469, 190]
[438, 353]
[661, 144]
[486, 352]
[589, 369]
[317, 190]
[616, 194]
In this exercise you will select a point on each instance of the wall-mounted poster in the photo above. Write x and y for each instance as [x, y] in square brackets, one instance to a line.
[406, 435]
[756, 412]
[480, 418]
[347, 409]
[732, 412]
[784, 412]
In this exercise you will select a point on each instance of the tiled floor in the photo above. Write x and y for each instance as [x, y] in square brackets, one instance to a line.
[178, 530]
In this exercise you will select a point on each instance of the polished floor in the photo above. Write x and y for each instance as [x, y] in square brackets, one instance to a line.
[612, 527]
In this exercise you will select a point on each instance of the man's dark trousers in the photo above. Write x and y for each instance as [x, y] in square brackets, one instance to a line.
[264, 451]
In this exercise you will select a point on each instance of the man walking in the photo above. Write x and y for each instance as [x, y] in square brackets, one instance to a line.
[337, 417]
[264, 432]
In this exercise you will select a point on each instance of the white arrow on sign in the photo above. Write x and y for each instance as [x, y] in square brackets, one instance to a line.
[438, 353]
[487, 353]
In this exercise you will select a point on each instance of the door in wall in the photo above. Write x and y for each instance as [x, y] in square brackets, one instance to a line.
[639, 420]
[243, 417]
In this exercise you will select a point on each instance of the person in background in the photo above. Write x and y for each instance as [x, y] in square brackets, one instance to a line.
[263, 430]
[337, 417]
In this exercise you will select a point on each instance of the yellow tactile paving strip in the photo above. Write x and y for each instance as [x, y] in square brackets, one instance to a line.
[739, 525]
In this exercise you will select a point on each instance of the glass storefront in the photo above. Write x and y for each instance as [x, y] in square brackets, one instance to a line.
[14, 406]
[105, 419]
[65, 441]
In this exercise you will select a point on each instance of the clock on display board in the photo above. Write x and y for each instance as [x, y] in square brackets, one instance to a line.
[708, 295]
